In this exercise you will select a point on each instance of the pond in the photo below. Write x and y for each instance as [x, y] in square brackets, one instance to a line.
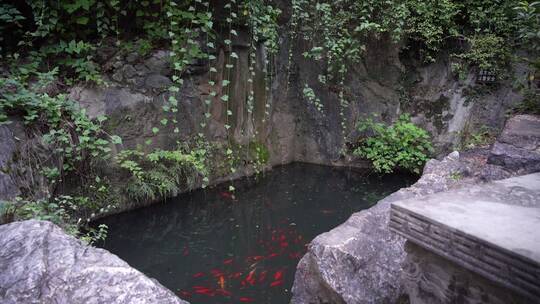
[213, 246]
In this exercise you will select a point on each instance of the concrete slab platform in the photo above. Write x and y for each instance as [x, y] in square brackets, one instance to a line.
[491, 229]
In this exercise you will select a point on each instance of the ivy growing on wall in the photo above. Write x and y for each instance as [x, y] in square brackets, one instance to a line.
[57, 41]
[66, 148]
[476, 34]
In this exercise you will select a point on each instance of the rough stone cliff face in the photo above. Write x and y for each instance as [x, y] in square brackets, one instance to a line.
[386, 83]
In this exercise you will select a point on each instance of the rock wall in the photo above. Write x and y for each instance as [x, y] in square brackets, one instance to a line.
[518, 147]
[41, 264]
[7, 182]
[386, 83]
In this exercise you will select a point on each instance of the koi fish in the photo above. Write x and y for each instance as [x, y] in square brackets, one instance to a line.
[206, 292]
[216, 273]
[251, 277]
[245, 299]
[257, 258]
[203, 290]
[198, 274]
[262, 276]
[272, 255]
[276, 283]
[185, 294]
[283, 244]
[221, 282]
[226, 262]
[278, 275]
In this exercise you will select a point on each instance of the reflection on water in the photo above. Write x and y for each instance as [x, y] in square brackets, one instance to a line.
[213, 246]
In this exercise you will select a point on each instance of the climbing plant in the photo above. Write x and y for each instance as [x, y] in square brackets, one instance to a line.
[473, 34]
[65, 37]
[54, 44]
[67, 147]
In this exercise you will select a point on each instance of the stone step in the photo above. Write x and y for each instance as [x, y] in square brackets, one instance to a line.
[492, 230]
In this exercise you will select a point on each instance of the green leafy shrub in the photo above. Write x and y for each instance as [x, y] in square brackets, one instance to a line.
[65, 128]
[72, 213]
[402, 145]
[66, 144]
[160, 173]
[528, 17]
[10, 22]
[487, 52]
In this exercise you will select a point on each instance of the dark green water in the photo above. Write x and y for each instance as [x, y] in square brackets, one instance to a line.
[210, 246]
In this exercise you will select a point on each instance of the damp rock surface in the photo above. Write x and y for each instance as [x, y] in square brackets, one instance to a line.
[518, 147]
[39, 263]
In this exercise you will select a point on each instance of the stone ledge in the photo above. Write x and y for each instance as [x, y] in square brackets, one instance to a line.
[518, 147]
[491, 230]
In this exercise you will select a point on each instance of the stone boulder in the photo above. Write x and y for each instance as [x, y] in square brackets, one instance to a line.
[39, 263]
[360, 261]
[518, 147]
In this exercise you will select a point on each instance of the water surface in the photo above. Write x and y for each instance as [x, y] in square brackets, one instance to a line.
[212, 246]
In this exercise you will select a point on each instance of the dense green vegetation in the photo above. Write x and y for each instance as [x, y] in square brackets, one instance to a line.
[473, 35]
[399, 146]
[467, 28]
[52, 45]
